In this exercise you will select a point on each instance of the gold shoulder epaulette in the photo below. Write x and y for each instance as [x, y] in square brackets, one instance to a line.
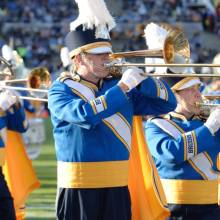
[67, 75]
[61, 78]
[75, 77]
[149, 118]
[2, 113]
[167, 116]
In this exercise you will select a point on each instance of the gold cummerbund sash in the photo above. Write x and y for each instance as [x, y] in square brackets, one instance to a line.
[92, 174]
[190, 191]
[2, 156]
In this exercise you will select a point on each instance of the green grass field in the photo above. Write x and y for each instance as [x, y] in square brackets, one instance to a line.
[41, 203]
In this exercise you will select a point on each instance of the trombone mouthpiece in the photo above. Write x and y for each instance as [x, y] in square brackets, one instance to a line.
[198, 104]
[114, 71]
[107, 65]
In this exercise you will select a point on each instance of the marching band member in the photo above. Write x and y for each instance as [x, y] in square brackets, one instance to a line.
[18, 170]
[12, 118]
[185, 149]
[20, 72]
[92, 117]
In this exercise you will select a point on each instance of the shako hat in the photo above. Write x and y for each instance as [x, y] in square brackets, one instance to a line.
[90, 31]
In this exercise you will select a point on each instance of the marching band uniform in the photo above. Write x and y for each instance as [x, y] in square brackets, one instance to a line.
[18, 170]
[12, 118]
[185, 153]
[92, 128]
[92, 131]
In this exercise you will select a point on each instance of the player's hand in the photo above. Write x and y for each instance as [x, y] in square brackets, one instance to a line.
[213, 121]
[132, 77]
[7, 99]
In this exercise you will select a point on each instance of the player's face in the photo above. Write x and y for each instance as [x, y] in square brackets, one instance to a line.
[95, 64]
[189, 97]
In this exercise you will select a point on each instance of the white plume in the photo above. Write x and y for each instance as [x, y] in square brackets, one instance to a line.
[216, 61]
[7, 53]
[155, 69]
[94, 14]
[17, 58]
[155, 36]
[64, 56]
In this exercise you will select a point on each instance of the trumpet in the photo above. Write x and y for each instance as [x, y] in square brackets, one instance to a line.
[38, 82]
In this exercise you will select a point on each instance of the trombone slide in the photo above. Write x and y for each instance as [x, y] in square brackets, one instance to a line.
[138, 53]
[164, 65]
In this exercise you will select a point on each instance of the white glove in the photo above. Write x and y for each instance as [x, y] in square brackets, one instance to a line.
[132, 77]
[213, 121]
[7, 99]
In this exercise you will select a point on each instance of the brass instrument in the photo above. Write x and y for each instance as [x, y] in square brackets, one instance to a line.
[207, 104]
[175, 49]
[176, 54]
[5, 67]
[117, 67]
[210, 101]
[211, 97]
[121, 64]
[38, 82]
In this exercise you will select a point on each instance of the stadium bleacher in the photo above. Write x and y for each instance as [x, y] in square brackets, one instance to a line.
[36, 29]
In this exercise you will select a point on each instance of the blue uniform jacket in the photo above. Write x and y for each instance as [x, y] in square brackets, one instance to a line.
[79, 131]
[92, 128]
[185, 155]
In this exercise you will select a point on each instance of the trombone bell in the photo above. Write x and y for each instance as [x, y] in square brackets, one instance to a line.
[39, 78]
[38, 83]
[176, 49]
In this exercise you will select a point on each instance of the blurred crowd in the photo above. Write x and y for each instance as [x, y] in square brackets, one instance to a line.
[36, 29]
[204, 14]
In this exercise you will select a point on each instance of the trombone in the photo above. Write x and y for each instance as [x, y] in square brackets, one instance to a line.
[163, 65]
[175, 47]
[176, 54]
[116, 69]
[38, 82]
